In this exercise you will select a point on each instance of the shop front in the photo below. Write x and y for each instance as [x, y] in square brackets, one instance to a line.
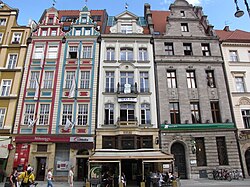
[57, 152]
[5, 146]
[136, 165]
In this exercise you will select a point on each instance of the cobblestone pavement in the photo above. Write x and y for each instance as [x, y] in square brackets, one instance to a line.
[183, 183]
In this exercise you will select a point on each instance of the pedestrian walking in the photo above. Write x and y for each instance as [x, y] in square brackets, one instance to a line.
[50, 178]
[71, 176]
[13, 177]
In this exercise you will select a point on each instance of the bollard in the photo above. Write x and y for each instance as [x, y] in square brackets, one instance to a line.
[142, 184]
[174, 183]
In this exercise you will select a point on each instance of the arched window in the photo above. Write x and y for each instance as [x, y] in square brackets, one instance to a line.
[109, 114]
[145, 114]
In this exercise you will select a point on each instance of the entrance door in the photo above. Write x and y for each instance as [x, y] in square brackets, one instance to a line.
[247, 157]
[178, 151]
[133, 171]
[41, 164]
[82, 170]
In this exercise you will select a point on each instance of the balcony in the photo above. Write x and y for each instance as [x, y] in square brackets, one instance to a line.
[133, 122]
[127, 90]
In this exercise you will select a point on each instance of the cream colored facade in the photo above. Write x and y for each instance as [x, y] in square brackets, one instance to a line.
[237, 59]
[13, 46]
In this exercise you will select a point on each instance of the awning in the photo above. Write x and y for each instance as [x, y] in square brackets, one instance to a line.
[4, 142]
[145, 155]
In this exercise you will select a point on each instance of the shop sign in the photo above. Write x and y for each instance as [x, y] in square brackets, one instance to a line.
[62, 165]
[81, 139]
[4, 152]
[41, 139]
[127, 99]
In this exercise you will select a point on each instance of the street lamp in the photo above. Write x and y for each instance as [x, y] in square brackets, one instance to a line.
[239, 12]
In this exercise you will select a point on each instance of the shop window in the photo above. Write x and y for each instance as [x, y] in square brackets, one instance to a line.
[222, 150]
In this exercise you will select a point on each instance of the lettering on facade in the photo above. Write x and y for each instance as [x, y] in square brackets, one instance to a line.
[127, 132]
[42, 139]
[127, 99]
[81, 139]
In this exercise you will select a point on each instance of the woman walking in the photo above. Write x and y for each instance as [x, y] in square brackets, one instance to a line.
[50, 178]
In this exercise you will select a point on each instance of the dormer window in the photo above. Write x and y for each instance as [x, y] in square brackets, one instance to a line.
[126, 28]
[87, 31]
[84, 19]
[44, 32]
[184, 27]
[53, 32]
[16, 38]
[50, 20]
[78, 32]
[183, 14]
[2, 21]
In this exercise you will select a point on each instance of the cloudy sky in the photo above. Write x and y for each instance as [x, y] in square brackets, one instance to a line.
[219, 12]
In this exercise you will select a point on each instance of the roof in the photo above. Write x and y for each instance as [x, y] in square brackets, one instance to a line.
[233, 36]
[159, 19]
[146, 155]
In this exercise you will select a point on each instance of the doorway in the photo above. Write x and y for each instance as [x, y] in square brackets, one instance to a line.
[178, 151]
[247, 157]
[41, 164]
[133, 171]
[82, 169]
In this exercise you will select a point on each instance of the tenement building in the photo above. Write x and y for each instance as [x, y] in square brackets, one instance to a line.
[236, 52]
[193, 104]
[13, 49]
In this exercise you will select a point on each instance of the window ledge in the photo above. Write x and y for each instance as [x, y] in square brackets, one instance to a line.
[11, 70]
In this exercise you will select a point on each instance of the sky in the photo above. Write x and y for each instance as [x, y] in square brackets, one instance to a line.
[220, 12]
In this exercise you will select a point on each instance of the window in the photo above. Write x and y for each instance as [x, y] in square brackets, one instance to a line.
[110, 54]
[248, 53]
[109, 114]
[126, 28]
[78, 32]
[84, 80]
[210, 79]
[2, 115]
[143, 54]
[50, 20]
[48, 80]
[127, 112]
[191, 82]
[171, 79]
[240, 85]
[12, 61]
[200, 152]
[169, 49]
[205, 50]
[183, 14]
[215, 112]
[53, 32]
[52, 52]
[67, 113]
[44, 114]
[2, 21]
[187, 49]
[82, 118]
[16, 38]
[195, 112]
[42, 148]
[110, 76]
[29, 113]
[87, 31]
[126, 54]
[246, 118]
[87, 50]
[1, 37]
[127, 78]
[184, 27]
[145, 114]
[34, 76]
[174, 113]
[73, 51]
[222, 150]
[5, 87]
[233, 56]
[109, 142]
[144, 84]
[44, 32]
[84, 19]
[39, 52]
[96, 17]
[70, 77]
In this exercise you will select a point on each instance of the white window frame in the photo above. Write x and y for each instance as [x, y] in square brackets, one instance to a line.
[126, 28]
[110, 53]
[82, 114]
[33, 76]
[44, 112]
[126, 54]
[29, 113]
[1, 37]
[184, 27]
[48, 80]
[44, 32]
[3, 21]
[109, 81]
[67, 112]
[2, 117]
[240, 84]
[87, 31]
[85, 80]
[143, 54]
[109, 107]
[233, 54]
[52, 51]
[144, 81]
[16, 38]
[145, 107]
[87, 51]
[246, 126]
[5, 87]
[78, 32]
[53, 32]
[73, 48]
[12, 61]
[38, 52]
[69, 78]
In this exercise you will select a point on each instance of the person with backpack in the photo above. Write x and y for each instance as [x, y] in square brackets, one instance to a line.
[27, 178]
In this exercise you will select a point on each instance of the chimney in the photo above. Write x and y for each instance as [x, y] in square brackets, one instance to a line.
[226, 28]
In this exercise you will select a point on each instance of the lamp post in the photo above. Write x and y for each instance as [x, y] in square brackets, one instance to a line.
[239, 12]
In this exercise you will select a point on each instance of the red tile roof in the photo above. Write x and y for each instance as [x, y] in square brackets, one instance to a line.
[159, 19]
[233, 36]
